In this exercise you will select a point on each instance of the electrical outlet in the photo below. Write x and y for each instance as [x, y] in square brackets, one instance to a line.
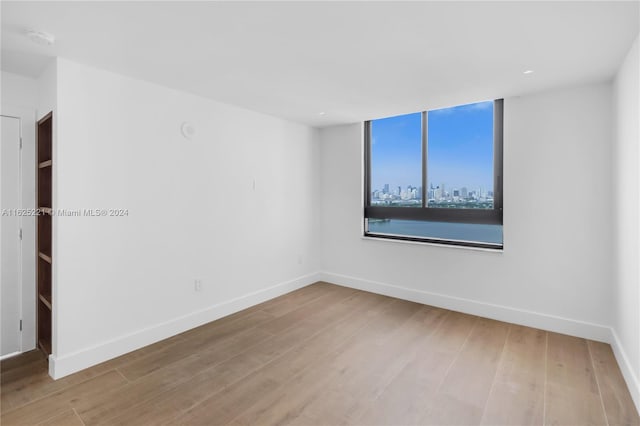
[197, 285]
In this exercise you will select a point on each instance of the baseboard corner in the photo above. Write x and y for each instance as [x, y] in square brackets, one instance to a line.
[626, 368]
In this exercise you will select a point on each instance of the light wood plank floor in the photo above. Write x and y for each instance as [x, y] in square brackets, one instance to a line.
[328, 355]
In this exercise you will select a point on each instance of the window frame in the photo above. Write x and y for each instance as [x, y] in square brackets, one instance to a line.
[438, 214]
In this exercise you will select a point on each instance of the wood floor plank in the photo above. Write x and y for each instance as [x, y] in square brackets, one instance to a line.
[353, 387]
[235, 399]
[24, 385]
[463, 394]
[26, 358]
[166, 406]
[404, 400]
[33, 388]
[295, 300]
[572, 396]
[200, 342]
[287, 401]
[98, 409]
[517, 396]
[302, 387]
[101, 409]
[138, 354]
[108, 405]
[224, 327]
[68, 418]
[58, 403]
[618, 404]
[305, 356]
[332, 295]
[330, 341]
[16, 375]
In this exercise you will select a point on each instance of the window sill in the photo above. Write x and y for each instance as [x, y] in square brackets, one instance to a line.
[428, 243]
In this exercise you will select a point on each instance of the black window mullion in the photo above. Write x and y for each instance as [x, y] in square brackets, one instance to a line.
[435, 214]
[498, 116]
[367, 164]
[424, 158]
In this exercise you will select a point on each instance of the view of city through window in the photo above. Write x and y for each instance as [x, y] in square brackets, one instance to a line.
[459, 158]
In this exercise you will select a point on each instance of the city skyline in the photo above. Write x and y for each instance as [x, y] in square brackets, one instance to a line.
[388, 188]
[412, 194]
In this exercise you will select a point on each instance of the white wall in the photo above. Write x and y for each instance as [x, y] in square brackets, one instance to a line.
[47, 91]
[18, 91]
[19, 99]
[555, 271]
[626, 186]
[193, 212]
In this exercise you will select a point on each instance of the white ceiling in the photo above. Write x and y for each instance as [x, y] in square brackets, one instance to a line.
[351, 60]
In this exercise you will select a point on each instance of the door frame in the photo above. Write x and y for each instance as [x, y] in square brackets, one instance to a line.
[27, 169]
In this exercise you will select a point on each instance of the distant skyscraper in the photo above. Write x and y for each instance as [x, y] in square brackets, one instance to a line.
[386, 188]
[463, 192]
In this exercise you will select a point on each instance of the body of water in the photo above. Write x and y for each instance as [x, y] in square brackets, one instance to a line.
[481, 233]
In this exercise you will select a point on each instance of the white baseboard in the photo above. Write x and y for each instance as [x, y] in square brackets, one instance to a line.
[626, 368]
[487, 310]
[71, 363]
[11, 355]
[527, 318]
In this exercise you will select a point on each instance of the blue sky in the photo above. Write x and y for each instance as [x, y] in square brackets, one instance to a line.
[460, 148]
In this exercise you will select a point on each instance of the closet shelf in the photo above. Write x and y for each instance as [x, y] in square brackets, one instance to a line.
[44, 300]
[44, 257]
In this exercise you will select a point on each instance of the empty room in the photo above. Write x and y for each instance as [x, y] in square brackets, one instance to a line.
[320, 213]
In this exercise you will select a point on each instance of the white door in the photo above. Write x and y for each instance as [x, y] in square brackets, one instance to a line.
[10, 261]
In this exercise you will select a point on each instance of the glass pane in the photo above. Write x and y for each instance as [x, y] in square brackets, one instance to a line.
[396, 161]
[478, 233]
[460, 157]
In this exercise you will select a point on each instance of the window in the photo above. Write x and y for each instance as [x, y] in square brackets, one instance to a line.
[436, 176]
